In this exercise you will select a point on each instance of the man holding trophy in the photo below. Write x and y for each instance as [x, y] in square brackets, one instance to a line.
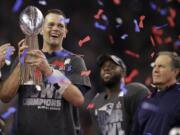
[48, 82]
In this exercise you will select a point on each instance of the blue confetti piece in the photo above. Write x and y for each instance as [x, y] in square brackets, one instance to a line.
[124, 36]
[100, 3]
[62, 53]
[43, 2]
[99, 26]
[123, 88]
[118, 26]
[65, 20]
[17, 5]
[163, 12]
[161, 26]
[105, 18]
[177, 43]
[21, 59]
[137, 29]
[153, 5]
[10, 111]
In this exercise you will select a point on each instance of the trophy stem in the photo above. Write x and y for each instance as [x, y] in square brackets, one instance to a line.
[31, 75]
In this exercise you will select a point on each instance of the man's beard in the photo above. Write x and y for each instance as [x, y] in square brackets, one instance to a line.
[114, 81]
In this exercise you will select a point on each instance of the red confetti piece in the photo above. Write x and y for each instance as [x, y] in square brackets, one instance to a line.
[152, 41]
[85, 73]
[141, 24]
[159, 40]
[111, 39]
[99, 13]
[90, 106]
[83, 41]
[172, 12]
[171, 21]
[117, 2]
[152, 54]
[168, 40]
[133, 74]
[135, 55]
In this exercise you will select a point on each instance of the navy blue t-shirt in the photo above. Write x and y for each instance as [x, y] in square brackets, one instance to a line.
[159, 113]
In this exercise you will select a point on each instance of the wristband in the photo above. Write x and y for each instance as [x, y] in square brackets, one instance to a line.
[60, 81]
[49, 72]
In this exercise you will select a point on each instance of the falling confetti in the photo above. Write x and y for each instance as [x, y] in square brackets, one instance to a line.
[100, 2]
[152, 41]
[24, 54]
[62, 53]
[124, 36]
[90, 106]
[168, 40]
[99, 26]
[117, 2]
[65, 20]
[98, 14]
[85, 73]
[85, 40]
[153, 5]
[171, 21]
[136, 26]
[161, 26]
[163, 12]
[141, 24]
[111, 39]
[135, 55]
[17, 5]
[133, 74]
[7, 114]
[42, 2]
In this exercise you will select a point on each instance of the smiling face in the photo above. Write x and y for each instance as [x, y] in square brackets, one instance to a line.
[163, 72]
[54, 30]
[110, 73]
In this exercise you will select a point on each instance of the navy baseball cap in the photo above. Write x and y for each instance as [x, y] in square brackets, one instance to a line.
[102, 58]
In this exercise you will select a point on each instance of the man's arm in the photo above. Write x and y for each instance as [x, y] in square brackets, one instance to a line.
[65, 88]
[73, 95]
[10, 86]
[63, 85]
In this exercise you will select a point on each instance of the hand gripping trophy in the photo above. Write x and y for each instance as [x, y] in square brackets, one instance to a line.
[31, 21]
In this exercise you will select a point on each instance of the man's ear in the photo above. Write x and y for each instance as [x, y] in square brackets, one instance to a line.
[66, 31]
[177, 71]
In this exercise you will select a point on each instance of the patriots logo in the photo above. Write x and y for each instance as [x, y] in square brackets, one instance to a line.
[107, 108]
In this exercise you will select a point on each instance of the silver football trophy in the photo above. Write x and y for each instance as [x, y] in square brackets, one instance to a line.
[31, 20]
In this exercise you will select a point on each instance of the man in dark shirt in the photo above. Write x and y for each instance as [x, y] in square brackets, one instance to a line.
[113, 109]
[49, 111]
[160, 112]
